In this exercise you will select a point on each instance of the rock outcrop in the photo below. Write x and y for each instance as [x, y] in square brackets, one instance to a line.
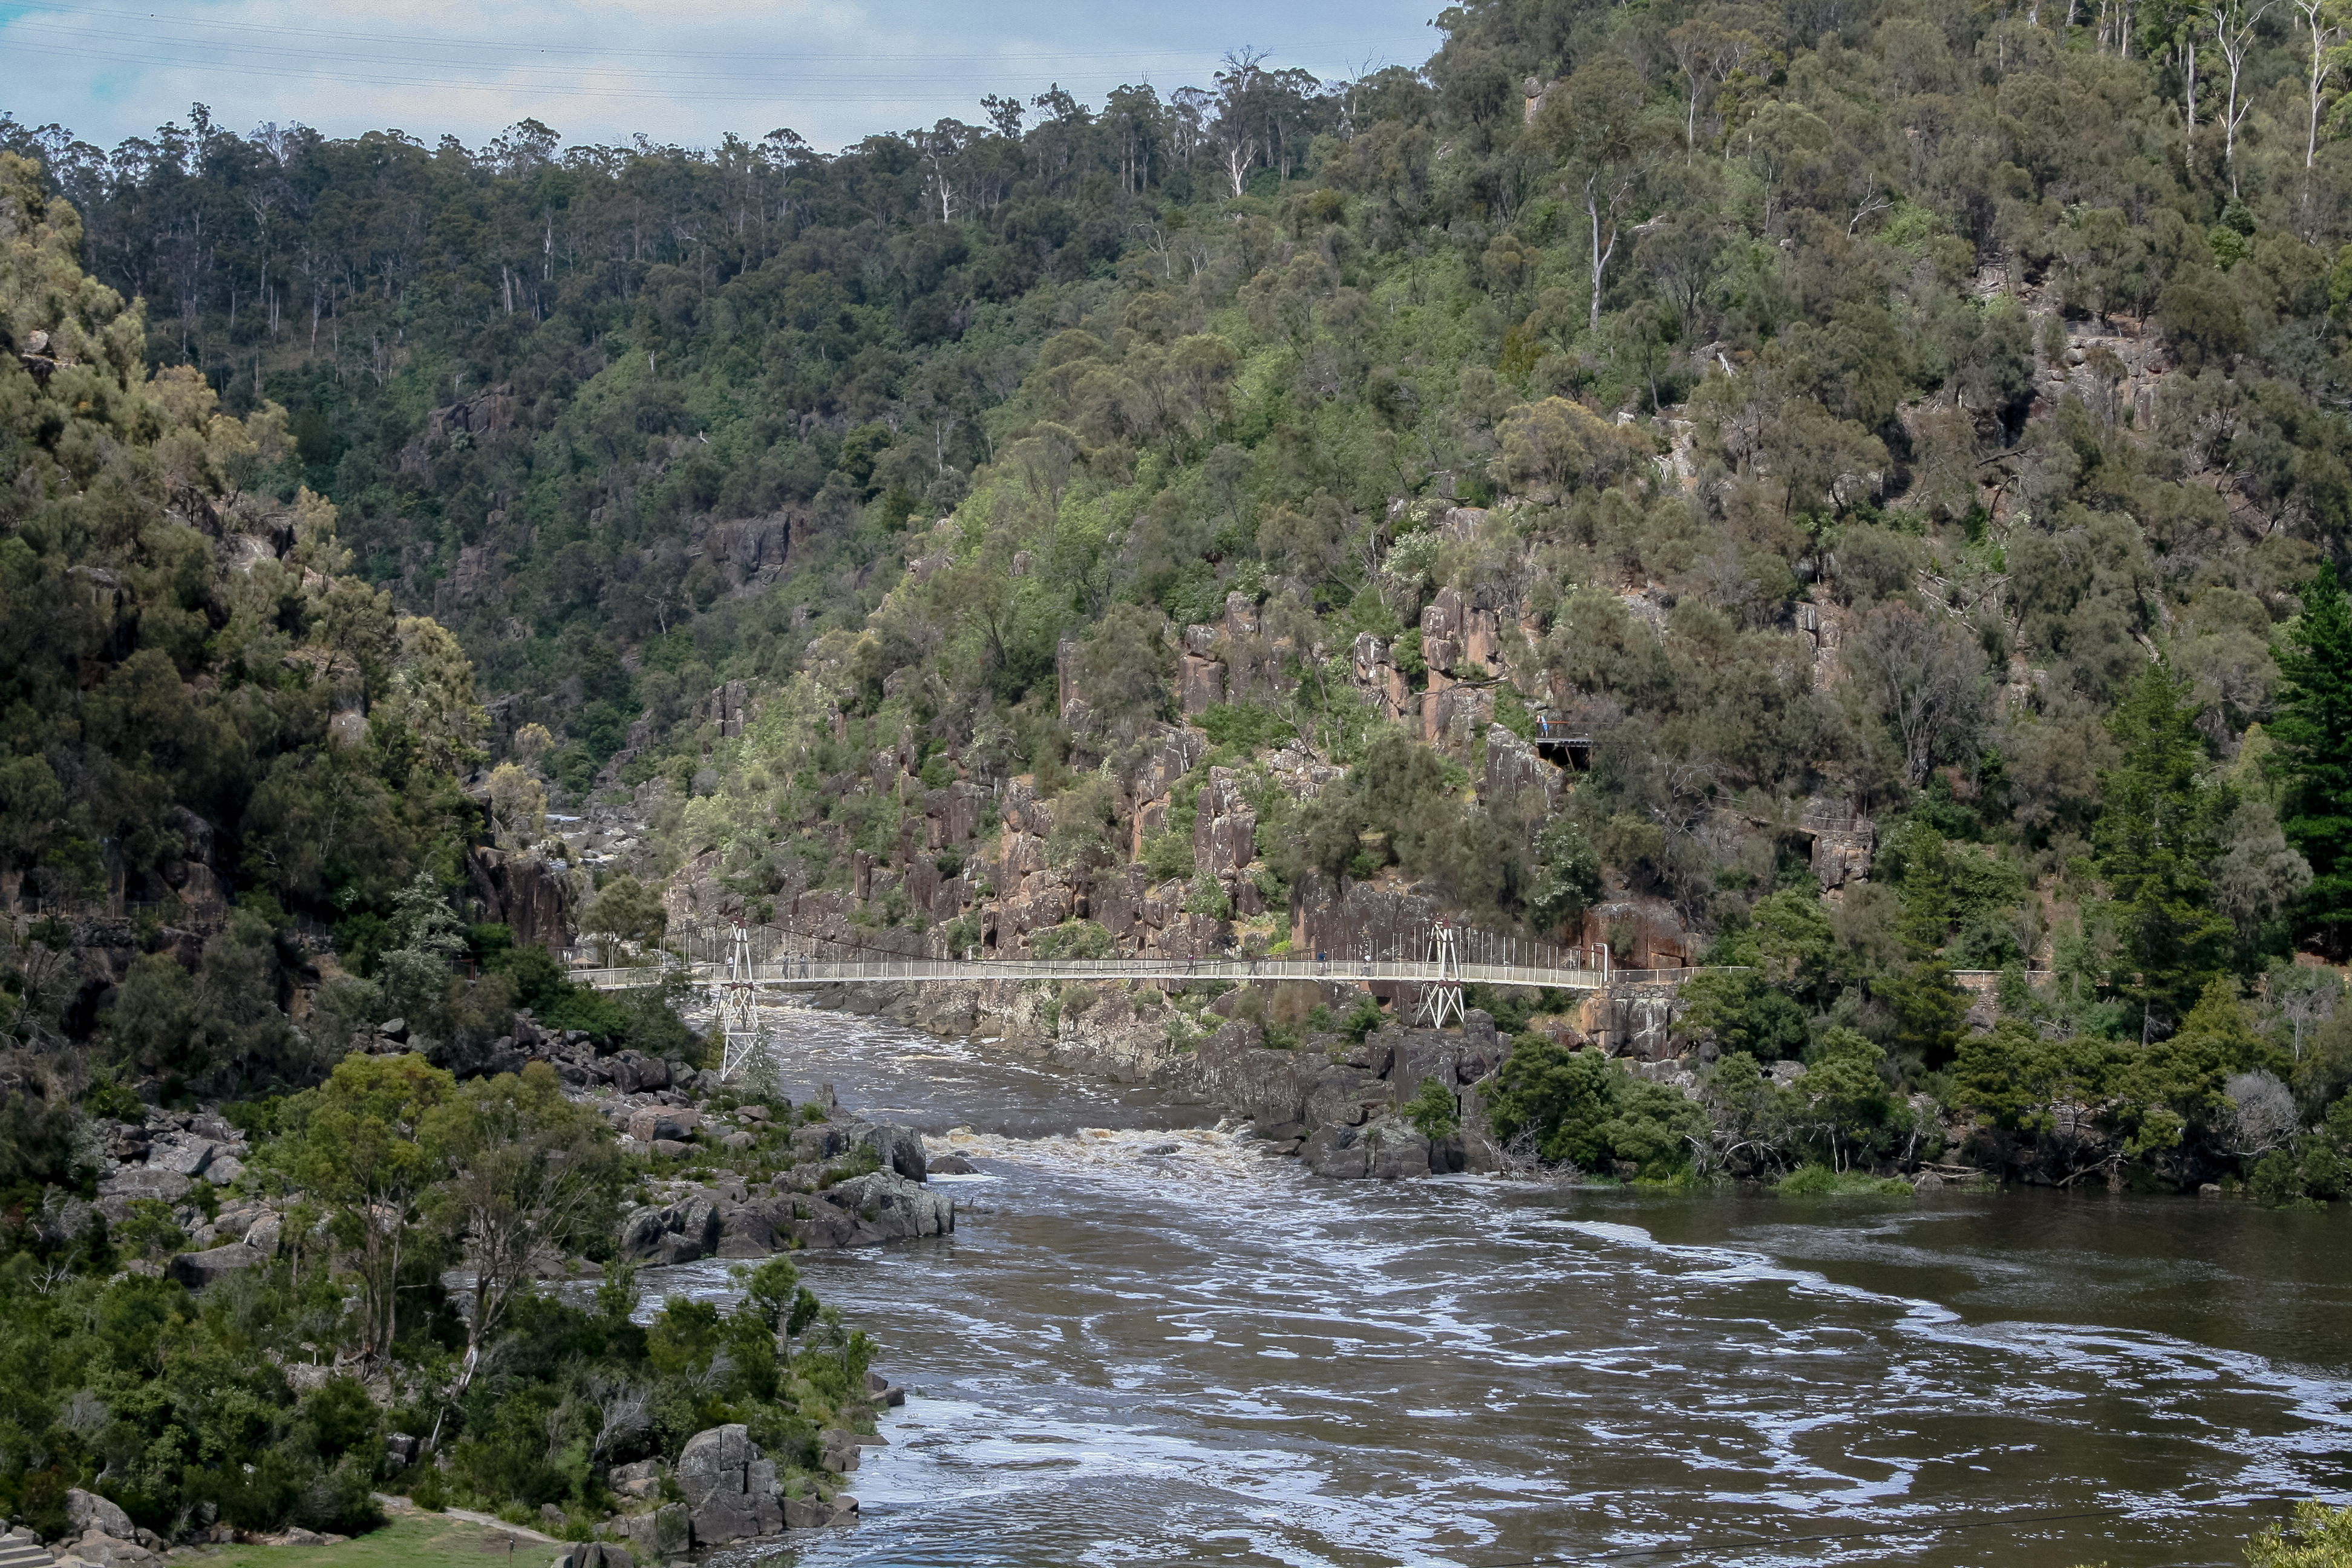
[732, 1494]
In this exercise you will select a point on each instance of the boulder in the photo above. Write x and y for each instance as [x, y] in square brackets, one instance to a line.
[399, 1449]
[952, 1165]
[816, 1513]
[730, 1490]
[680, 1233]
[135, 1182]
[665, 1532]
[892, 1207]
[87, 1512]
[1336, 1150]
[1395, 1150]
[181, 1153]
[102, 1550]
[224, 1169]
[640, 1479]
[595, 1555]
[900, 1148]
[198, 1269]
[264, 1234]
[656, 1122]
[745, 1232]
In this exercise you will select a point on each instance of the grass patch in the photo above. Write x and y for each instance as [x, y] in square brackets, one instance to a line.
[1821, 1182]
[409, 1541]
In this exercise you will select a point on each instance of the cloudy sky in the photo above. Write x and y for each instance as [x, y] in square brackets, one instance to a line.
[681, 71]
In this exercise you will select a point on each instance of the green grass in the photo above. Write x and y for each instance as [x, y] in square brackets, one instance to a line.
[1821, 1182]
[410, 1541]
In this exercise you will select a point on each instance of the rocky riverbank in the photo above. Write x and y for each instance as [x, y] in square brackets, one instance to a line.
[1330, 1097]
[751, 1178]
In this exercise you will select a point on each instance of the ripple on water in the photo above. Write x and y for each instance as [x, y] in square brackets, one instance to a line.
[1149, 1343]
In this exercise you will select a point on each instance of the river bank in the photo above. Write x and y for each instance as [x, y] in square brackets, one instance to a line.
[1332, 1096]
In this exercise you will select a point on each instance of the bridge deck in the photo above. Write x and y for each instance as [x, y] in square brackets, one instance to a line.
[805, 974]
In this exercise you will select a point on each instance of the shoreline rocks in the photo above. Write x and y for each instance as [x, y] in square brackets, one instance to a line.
[732, 1493]
[1331, 1101]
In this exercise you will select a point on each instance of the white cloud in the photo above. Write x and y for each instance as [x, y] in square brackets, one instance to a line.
[678, 70]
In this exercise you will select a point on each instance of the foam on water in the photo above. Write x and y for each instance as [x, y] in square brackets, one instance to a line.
[1150, 1343]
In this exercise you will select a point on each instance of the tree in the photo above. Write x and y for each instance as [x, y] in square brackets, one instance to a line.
[1593, 122]
[1566, 877]
[2153, 843]
[1433, 1111]
[518, 804]
[2257, 876]
[2234, 32]
[2325, 21]
[2313, 732]
[415, 973]
[530, 1173]
[1928, 674]
[354, 1148]
[625, 909]
[1846, 1097]
[1743, 1012]
[1555, 448]
[1707, 52]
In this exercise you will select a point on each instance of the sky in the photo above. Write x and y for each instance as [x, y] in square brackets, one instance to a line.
[679, 71]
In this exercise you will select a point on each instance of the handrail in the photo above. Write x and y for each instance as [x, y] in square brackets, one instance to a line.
[798, 972]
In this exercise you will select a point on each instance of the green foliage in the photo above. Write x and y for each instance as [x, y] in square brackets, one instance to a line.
[108, 1098]
[1582, 1109]
[2314, 729]
[2155, 838]
[1432, 1110]
[1072, 939]
[1821, 1182]
[2320, 1537]
[1741, 1011]
[1249, 728]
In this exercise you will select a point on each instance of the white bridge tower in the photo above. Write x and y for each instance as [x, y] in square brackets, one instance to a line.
[736, 999]
[1441, 998]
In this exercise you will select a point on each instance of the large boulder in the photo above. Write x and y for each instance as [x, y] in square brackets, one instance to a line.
[131, 1183]
[678, 1233]
[87, 1512]
[595, 1555]
[183, 1153]
[1335, 1149]
[640, 1479]
[816, 1513]
[900, 1149]
[663, 1534]
[731, 1489]
[664, 1121]
[1386, 1150]
[1395, 1150]
[892, 1208]
[198, 1269]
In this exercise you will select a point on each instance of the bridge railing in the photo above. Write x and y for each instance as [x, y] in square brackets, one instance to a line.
[796, 972]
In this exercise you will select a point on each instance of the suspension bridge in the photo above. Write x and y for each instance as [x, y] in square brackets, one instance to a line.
[1442, 961]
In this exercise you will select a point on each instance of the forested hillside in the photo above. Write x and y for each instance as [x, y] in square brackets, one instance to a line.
[1904, 445]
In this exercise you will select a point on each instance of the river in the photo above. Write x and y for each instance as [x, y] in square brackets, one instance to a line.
[1148, 1344]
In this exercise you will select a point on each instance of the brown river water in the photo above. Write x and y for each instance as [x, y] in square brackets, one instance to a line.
[1148, 1344]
